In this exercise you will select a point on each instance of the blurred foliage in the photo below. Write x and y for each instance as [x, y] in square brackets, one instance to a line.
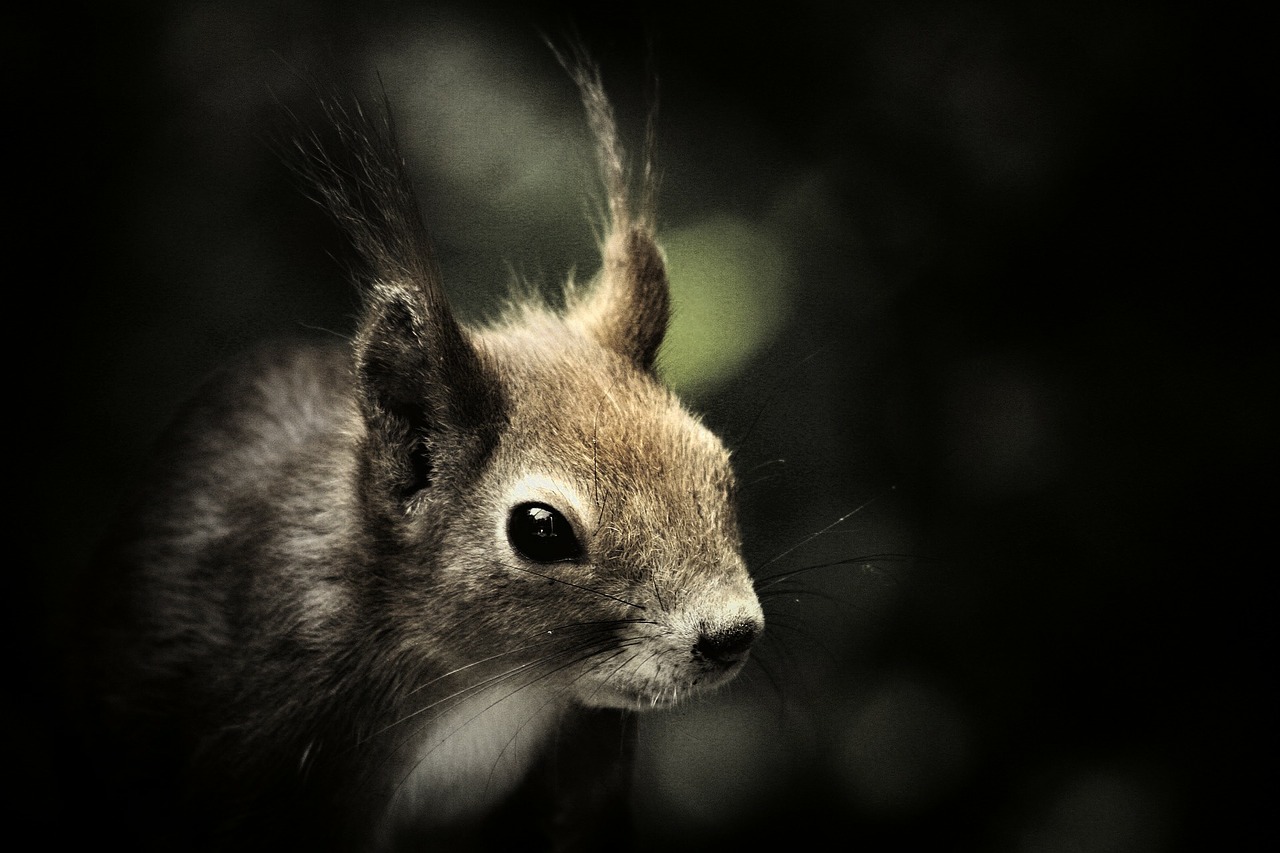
[729, 291]
[1002, 256]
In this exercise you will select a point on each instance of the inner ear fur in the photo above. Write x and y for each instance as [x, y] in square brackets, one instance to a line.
[431, 408]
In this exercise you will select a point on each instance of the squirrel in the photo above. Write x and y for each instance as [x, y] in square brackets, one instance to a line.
[413, 588]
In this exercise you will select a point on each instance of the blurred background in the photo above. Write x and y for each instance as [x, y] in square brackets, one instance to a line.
[976, 291]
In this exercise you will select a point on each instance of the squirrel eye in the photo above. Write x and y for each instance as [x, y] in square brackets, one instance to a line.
[540, 533]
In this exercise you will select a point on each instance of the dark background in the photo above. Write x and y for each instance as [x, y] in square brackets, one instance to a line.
[1028, 319]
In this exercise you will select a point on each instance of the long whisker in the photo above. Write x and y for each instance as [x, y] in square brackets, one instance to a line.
[618, 668]
[597, 633]
[813, 536]
[570, 584]
[531, 645]
[766, 404]
[510, 674]
[764, 583]
[598, 639]
[482, 661]
[618, 651]
[764, 464]
[457, 698]
[498, 759]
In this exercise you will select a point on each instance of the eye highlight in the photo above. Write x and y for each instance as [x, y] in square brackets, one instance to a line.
[541, 533]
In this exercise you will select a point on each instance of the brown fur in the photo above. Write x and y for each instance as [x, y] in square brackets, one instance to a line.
[320, 626]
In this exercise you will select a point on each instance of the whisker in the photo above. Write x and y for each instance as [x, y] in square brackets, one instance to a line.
[774, 644]
[762, 666]
[488, 681]
[657, 594]
[510, 675]
[813, 536]
[505, 676]
[533, 644]
[603, 622]
[498, 759]
[618, 668]
[767, 404]
[596, 631]
[763, 584]
[482, 661]
[598, 665]
[764, 464]
[570, 584]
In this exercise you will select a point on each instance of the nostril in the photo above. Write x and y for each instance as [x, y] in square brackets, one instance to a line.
[726, 644]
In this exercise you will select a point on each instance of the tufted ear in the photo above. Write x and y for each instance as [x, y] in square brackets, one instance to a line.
[431, 408]
[629, 306]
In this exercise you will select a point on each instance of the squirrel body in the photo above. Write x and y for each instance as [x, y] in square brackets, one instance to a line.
[385, 590]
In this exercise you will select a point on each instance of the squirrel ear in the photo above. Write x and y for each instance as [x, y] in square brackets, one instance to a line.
[630, 305]
[431, 409]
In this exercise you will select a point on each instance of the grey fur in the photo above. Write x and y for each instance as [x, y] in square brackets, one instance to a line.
[314, 629]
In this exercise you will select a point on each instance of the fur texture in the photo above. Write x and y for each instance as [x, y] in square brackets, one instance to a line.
[411, 590]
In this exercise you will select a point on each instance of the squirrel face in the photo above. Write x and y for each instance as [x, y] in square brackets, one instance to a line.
[603, 528]
[595, 548]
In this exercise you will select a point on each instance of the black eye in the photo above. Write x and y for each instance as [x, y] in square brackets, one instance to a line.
[540, 533]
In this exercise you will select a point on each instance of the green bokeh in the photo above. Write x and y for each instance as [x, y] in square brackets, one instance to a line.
[730, 280]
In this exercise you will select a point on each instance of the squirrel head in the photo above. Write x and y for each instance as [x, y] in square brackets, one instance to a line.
[542, 499]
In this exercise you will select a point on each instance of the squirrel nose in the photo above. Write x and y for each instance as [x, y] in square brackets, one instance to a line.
[726, 644]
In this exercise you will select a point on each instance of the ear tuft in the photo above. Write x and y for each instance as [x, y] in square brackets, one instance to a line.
[432, 410]
[629, 307]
